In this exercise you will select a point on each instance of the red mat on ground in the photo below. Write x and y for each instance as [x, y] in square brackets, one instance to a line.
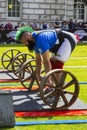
[46, 113]
[8, 80]
[18, 88]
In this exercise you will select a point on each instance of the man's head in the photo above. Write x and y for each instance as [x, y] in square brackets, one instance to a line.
[24, 35]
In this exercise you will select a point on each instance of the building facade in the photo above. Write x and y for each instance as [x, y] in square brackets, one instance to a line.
[28, 10]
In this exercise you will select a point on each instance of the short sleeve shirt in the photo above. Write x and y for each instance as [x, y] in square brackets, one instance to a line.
[44, 40]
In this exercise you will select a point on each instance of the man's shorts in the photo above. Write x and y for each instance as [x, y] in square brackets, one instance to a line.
[66, 48]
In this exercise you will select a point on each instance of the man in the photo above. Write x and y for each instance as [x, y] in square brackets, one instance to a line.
[60, 43]
[57, 23]
[9, 26]
[35, 25]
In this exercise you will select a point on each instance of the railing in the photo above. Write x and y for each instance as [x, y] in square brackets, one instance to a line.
[8, 35]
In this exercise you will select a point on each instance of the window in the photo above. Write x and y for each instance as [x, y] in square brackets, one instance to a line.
[78, 9]
[13, 8]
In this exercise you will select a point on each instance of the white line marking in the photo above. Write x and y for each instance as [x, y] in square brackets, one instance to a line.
[75, 67]
[77, 58]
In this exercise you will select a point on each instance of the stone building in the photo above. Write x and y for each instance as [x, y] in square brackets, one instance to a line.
[27, 10]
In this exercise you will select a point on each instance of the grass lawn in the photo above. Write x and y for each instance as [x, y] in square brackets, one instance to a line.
[78, 58]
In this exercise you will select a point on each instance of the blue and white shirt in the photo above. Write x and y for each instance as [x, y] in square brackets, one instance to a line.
[44, 40]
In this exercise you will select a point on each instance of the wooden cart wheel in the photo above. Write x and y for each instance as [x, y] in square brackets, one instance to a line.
[18, 61]
[27, 75]
[63, 91]
[7, 58]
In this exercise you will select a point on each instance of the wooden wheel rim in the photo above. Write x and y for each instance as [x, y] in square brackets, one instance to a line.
[27, 74]
[19, 60]
[60, 92]
[7, 58]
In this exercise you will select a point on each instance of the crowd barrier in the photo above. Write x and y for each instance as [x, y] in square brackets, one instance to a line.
[8, 36]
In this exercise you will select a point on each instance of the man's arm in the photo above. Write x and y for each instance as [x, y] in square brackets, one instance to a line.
[38, 65]
[47, 64]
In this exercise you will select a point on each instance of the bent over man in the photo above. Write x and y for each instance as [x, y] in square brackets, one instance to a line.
[57, 42]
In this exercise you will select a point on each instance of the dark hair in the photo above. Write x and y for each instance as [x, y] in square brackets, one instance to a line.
[31, 45]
